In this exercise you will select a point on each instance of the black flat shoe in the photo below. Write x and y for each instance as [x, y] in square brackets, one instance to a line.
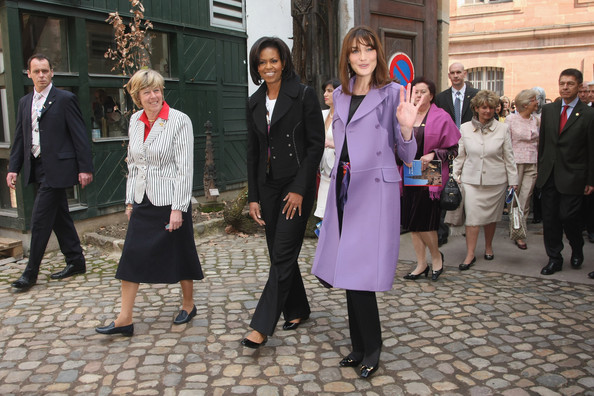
[489, 256]
[551, 268]
[184, 317]
[349, 362]
[23, 283]
[70, 270]
[464, 267]
[412, 276]
[435, 274]
[293, 325]
[367, 372]
[591, 275]
[251, 344]
[111, 329]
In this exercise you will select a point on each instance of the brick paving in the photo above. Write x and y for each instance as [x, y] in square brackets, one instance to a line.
[478, 332]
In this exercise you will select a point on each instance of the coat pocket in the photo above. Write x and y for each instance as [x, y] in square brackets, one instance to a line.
[391, 175]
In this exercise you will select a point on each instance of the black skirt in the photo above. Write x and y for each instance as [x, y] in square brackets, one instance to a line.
[152, 254]
[419, 212]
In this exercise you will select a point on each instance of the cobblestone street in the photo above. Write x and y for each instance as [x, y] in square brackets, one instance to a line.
[477, 332]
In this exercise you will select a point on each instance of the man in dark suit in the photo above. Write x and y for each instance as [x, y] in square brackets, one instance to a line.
[565, 170]
[460, 93]
[456, 101]
[50, 148]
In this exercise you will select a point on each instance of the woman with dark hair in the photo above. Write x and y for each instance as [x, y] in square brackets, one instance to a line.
[485, 167]
[437, 139]
[358, 246]
[329, 156]
[285, 145]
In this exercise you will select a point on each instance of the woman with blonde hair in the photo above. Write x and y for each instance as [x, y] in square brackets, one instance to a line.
[159, 245]
[485, 167]
[524, 130]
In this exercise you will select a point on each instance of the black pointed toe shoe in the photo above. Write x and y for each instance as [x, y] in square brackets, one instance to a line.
[111, 329]
[251, 344]
[349, 362]
[367, 371]
[293, 325]
[412, 276]
[184, 317]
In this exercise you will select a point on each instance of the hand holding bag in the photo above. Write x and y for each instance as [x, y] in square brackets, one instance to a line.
[451, 196]
[517, 225]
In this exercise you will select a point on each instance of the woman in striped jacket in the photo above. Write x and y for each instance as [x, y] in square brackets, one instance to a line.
[159, 246]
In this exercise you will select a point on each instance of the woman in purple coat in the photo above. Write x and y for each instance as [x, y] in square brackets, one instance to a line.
[359, 239]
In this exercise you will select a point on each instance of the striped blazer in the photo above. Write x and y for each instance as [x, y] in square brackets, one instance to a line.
[163, 165]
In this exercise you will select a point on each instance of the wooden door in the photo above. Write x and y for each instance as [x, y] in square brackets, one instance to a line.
[405, 26]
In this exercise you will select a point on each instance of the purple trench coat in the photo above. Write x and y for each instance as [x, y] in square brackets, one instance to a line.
[364, 257]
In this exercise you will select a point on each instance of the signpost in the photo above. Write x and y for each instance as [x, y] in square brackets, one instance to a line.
[401, 68]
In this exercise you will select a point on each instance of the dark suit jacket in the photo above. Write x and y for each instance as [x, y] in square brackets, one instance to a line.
[296, 137]
[444, 101]
[569, 155]
[65, 145]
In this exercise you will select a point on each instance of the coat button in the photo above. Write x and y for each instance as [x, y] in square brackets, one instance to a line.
[290, 154]
[377, 179]
[377, 126]
[274, 157]
[378, 153]
[287, 135]
[289, 144]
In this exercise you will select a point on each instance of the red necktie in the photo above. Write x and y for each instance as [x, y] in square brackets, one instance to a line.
[563, 118]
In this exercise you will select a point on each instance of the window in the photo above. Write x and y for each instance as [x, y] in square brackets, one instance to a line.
[490, 78]
[228, 14]
[110, 115]
[100, 38]
[46, 35]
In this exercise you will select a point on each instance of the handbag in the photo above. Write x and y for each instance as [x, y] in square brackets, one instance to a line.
[517, 225]
[450, 196]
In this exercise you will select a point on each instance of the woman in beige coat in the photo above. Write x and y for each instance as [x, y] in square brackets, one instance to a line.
[485, 167]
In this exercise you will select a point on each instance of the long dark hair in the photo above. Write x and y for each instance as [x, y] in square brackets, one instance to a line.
[283, 52]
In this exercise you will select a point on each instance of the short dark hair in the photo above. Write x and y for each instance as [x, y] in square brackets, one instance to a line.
[428, 82]
[575, 73]
[39, 57]
[366, 36]
[333, 81]
[283, 52]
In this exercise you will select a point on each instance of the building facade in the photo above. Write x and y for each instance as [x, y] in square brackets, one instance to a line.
[510, 45]
[197, 45]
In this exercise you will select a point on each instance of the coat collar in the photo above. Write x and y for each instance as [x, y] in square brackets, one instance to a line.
[373, 99]
[289, 90]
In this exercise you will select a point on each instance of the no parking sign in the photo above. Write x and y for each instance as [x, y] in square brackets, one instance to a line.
[401, 67]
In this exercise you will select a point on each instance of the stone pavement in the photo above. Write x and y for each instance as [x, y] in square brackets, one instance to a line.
[478, 332]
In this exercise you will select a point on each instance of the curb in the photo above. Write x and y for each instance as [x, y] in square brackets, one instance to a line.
[115, 245]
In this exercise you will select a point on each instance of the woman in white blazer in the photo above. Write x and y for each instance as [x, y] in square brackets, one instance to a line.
[159, 245]
[485, 167]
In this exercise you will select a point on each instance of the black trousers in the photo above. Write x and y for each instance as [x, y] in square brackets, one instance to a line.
[364, 326]
[561, 213]
[589, 213]
[284, 291]
[50, 212]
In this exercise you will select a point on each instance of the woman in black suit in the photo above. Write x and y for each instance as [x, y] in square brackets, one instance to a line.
[285, 145]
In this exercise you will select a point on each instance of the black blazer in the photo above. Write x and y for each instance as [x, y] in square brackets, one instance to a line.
[65, 145]
[296, 137]
[569, 155]
[444, 101]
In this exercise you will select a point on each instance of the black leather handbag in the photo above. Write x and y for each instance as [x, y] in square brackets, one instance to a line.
[451, 196]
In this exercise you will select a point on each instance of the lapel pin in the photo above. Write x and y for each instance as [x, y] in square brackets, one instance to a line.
[577, 114]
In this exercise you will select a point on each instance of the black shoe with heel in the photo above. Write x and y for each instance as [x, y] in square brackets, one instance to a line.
[367, 371]
[349, 362]
[464, 267]
[435, 274]
[412, 276]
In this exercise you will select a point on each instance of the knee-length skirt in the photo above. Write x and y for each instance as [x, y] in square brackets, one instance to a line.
[483, 204]
[420, 213]
[152, 254]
